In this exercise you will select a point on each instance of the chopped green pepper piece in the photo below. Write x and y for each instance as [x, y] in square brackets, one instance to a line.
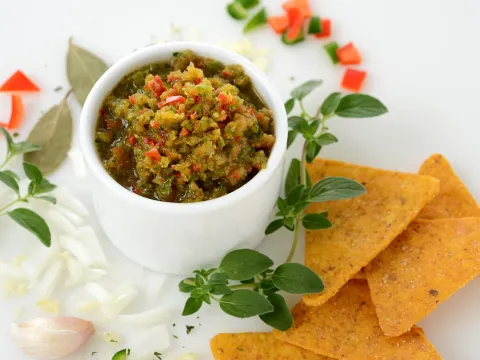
[296, 40]
[315, 25]
[331, 49]
[248, 4]
[257, 20]
[121, 355]
[237, 11]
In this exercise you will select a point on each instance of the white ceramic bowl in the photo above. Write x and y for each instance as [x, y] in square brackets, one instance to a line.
[178, 238]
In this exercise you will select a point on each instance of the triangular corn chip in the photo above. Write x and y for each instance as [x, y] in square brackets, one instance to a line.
[363, 226]
[346, 327]
[454, 199]
[261, 346]
[423, 267]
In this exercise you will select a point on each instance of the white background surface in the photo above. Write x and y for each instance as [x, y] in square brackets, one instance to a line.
[422, 58]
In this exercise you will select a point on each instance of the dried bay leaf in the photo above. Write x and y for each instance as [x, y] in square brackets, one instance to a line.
[83, 70]
[53, 133]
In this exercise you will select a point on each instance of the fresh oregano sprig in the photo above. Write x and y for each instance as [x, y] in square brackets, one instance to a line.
[246, 284]
[38, 188]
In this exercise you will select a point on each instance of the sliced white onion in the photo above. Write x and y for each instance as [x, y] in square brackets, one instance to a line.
[77, 249]
[44, 265]
[76, 271]
[78, 162]
[72, 216]
[93, 274]
[60, 221]
[156, 315]
[67, 199]
[122, 296]
[12, 271]
[88, 236]
[51, 278]
[154, 339]
[98, 292]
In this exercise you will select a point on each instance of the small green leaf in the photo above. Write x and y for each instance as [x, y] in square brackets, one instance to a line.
[206, 299]
[299, 207]
[237, 11]
[360, 106]
[50, 199]
[33, 173]
[186, 288]
[330, 104]
[25, 147]
[207, 288]
[281, 204]
[289, 105]
[289, 223]
[9, 180]
[325, 139]
[292, 134]
[293, 176]
[313, 149]
[199, 281]
[335, 188]
[316, 222]
[12, 174]
[306, 88]
[196, 293]
[281, 317]
[297, 279]
[308, 179]
[221, 290]
[218, 279]
[313, 127]
[298, 123]
[192, 306]
[295, 195]
[245, 303]
[274, 226]
[9, 139]
[244, 264]
[44, 187]
[256, 21]
[33, 223]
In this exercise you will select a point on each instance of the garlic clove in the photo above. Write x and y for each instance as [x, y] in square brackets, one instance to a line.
[52, 338]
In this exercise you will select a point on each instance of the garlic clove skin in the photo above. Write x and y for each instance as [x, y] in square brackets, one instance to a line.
[52, 338]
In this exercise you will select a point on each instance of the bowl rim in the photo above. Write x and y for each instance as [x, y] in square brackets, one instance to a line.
[161, 52]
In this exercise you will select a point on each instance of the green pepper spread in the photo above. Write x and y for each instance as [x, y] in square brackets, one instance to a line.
[187, 130]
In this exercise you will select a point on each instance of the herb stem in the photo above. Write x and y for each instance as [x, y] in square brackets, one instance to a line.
[19, 199]
[5, 162]
[243, 286]
[304, 111]
[214, 298]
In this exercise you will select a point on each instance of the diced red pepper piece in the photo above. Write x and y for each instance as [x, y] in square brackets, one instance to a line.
[153, 154]
[196, 167]
[19, 82]
[223, 98]
[132, 140]
[175, 99]
[349, 55]
[183, 132]
[296, 20]
[17, 112]
[326, 29]
[150, 141]
[353, 79]
[278, 23]
[131, 98]
[156, 85]
[302, 5]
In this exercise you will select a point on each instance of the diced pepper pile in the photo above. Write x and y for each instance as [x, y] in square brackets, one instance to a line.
[17, 83]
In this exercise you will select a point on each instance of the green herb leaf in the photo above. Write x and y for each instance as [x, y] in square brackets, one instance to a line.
[218, 279]
[244, 264]
[289, 105]
[308, 179]
[237, 11]
[33, 223]
[245, 303]
[54, 133]
[292, 134]
[281, 317]
[221, 290]
[256, 21]
[192, 306]
[293, 176]
[44, 187]
[296, 194]
[33, 173]
[10, 181]
[206, 299]
[281, 204]
[9, 139]
[312, 150]
[313, 127]
[330, 104]
[306, 88]
[297, 279]
[25, 147]
[335, 188]
[83, 70]
[248, 4]
[316, 222]
[298, 123]
[207, 288]
[274, 226]
[197, 293]
[289, 223]
[12, 174]
[299, 207]
[360, 106]
[50, 199]
[325, 139]
[199, 281]
[186, 288]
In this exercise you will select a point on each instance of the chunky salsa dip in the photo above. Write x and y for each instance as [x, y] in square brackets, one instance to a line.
[187, 130]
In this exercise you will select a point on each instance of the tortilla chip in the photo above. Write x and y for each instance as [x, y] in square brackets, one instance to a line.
[363, 226]
[346, 327]
[360, 275]
[257, 346]
[423, 267]
[454, 199]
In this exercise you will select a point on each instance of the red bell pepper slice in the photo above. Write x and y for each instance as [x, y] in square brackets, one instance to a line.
[326, 29]
[17, 112]
[295, 19]
[19, 82]
[349, 55]
[278, 23]
[156, 85]
[302, 5]
[175, 99]
[353, 79]
[153, 154]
